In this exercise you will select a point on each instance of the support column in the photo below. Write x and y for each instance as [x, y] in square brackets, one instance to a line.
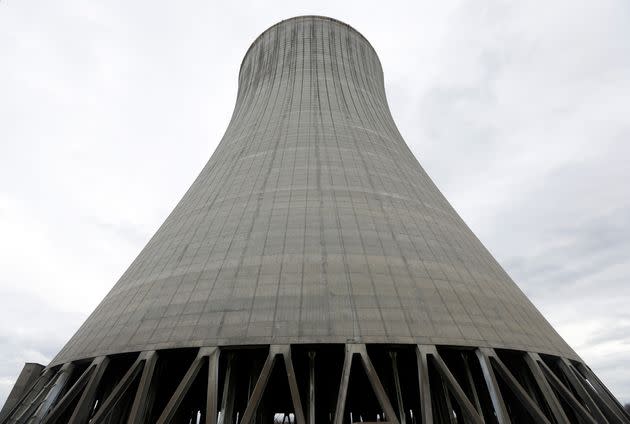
[213, 388]
[493, 387]
[143, 398]
[343, 386]
[565, 393]
[46, 398]
[311, 387]
[447, 403]
[293, 386]
[602, 389]
[517, 390]
[39, 388]
[30, 374]
[83, 410]
[375, 382]
[471, 384]
[108, 405]
[189, 378]
[609, 410]
[379, 391]
[399, 399]
[581, 391]
[261, 383]
[550, 397]
[424, 383]
[60, 407]
[227, 398]
[452, 386]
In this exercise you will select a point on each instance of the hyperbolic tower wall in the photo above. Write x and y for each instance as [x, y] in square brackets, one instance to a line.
[313, 226]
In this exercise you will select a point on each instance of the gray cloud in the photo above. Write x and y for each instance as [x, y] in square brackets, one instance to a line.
[518, 110]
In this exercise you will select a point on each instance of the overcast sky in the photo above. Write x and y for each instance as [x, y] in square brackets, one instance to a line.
[519, 110]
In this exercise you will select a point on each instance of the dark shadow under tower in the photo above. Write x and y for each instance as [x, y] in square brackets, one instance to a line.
[313, 273]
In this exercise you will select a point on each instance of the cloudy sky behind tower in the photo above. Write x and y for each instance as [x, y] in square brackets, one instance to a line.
[518, 110]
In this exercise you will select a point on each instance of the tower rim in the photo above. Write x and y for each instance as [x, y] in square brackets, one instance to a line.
[294, 18]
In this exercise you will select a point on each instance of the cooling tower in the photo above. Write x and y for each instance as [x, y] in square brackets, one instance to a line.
[313, 273]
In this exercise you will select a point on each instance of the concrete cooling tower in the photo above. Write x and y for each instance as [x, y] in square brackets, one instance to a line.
[313, 273]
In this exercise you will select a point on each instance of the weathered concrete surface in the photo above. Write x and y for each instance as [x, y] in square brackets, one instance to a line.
[312, 222]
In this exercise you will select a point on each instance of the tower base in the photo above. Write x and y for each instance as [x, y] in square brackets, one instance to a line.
[319, 383]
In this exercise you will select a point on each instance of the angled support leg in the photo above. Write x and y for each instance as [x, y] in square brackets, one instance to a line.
[43, 381]
[61, 406]
[607, 402]
[453, 386]
[189, 378]
[213, 388]
[530, 405]
[83, 409]
[119, 391]
[493, 386]
[259, 388]
[550, 397]
[390, 414]
[602, 389]
[254, 401]
[293, 386]
[424, 383]
[581, 391]
[609, 410]
[375, 382]
[447, 403]
[343, 385]
[311, 387]
[565, 393]
[227, 399]
[393, 355]
[471, 384]
[46, 398]
[139, 408]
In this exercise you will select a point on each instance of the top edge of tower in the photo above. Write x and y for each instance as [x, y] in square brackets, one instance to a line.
[320, 17]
